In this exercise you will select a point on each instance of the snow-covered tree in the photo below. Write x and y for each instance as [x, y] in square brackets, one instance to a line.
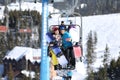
[105, 62]
[106, 55]
[95, 38]
[91, 55]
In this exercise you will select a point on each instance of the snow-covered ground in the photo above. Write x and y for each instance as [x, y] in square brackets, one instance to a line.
[80, 72]
[108, 30]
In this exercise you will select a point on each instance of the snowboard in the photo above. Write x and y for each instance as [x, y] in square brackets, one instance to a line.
[56, 51]
[62, 60]
[54, 58]
[49, 37]
[60, 56]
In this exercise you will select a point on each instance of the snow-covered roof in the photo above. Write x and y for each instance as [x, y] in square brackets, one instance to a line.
[29, 53]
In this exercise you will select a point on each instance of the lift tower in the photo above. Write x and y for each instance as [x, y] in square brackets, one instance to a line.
[44, 66]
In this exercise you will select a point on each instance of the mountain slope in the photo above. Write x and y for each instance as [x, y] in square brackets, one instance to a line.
[108, 30]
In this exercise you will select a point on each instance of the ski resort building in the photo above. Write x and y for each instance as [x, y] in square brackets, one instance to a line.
[22, 58]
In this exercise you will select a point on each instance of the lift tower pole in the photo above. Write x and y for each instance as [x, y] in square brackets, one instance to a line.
[44, 66]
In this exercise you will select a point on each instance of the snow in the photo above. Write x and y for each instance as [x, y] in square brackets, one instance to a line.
[108, 30]
[29, 53]
[83, 5]
[80, 72]
[28, 73]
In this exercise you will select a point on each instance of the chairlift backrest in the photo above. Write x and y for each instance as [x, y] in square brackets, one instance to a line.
[75, 33]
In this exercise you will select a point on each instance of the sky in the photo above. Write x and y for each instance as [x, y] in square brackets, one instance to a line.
[107, 28]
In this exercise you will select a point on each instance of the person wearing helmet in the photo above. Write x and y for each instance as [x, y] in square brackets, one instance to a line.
[67, 46]
[66, 38]
[62, 22]
[62, 25]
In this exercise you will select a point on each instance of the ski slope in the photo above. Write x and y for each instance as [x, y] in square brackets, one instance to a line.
[108, 30]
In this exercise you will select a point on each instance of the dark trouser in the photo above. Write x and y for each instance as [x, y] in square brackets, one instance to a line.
[67, 78]
[70, 56]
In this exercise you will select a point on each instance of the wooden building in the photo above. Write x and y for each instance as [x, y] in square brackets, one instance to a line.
[22, 58]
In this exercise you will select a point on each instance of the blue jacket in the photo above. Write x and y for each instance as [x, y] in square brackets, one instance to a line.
[65, 43]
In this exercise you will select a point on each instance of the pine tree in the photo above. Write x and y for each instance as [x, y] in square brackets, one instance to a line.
[95, 38]
[111, 70]
[89, 52]
[117, 70]
[106, 55]
[91, 55]
[94, 45]
[19, 39]
[101, 74]
[118, 62]
[108, 72]
[105, 61]
[90, 76]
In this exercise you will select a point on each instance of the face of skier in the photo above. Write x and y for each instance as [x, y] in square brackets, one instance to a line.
[56, 32]
[62, 31]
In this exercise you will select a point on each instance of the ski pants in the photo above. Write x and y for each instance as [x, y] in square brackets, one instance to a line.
[70, 56]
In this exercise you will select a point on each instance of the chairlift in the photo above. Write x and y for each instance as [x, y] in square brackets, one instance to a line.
[69, 18]
[75, 31]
